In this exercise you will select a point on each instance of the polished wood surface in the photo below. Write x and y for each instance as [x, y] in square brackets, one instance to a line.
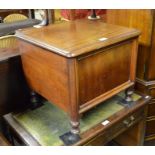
[141, 61]
[140, 19]
[150, 74]
[143, 20]
[103, 73]
[78, 37]
[69, 66]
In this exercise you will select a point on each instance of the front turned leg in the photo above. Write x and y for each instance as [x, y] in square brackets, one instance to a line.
[75, 127]
[128, 95]
[72, 136]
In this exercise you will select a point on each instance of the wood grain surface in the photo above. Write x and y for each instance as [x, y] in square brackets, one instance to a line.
[76, 37]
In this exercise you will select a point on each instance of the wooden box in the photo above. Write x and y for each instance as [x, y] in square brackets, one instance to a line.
[77, 65]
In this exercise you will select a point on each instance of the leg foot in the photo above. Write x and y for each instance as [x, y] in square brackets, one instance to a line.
[71, 137]
[75, 127]
[128, 95]
[35, 101]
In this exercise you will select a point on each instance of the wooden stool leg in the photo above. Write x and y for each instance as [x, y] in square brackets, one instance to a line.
[75, 127]
[75, 121]
[72, 136]
[128, 94]
[35, 101]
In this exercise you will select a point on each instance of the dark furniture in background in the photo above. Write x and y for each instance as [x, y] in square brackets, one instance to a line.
[145, 21]
[14, 94]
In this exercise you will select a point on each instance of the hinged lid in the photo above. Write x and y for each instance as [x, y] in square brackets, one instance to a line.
[77, 37]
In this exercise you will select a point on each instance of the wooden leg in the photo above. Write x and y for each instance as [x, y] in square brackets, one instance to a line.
[128, 94]
[72, 136]
[35, 101]
[75, 120]
[75, 127]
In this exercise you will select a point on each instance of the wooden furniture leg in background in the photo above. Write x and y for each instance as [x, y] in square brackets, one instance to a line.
[35, 100]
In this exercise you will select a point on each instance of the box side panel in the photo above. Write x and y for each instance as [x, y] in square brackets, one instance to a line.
[46, 73]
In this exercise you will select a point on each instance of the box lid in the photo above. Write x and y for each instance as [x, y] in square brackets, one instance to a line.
[77, 37]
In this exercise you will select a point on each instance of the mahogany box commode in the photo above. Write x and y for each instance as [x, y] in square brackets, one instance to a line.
[76, 65]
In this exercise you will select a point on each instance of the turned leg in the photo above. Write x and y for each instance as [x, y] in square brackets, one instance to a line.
[75, 127]
[128, 95]
[75, 121]
[35, 101]
[72, 136]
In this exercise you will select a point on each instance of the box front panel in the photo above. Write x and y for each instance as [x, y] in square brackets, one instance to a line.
[103, 71]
